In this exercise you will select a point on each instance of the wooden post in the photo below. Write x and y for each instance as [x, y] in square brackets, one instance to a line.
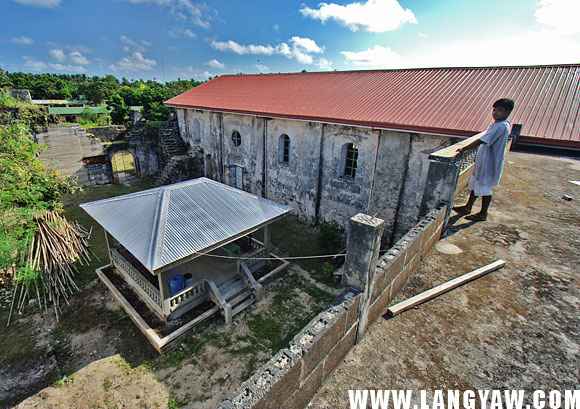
[165, 293]
[109, 241]
[267, 240]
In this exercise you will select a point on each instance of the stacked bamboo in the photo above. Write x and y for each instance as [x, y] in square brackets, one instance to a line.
[55, 248]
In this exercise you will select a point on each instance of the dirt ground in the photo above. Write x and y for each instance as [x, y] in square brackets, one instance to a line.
[516, 328]
[103, 361]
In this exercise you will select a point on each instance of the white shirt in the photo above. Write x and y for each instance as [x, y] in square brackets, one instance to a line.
[491, 154]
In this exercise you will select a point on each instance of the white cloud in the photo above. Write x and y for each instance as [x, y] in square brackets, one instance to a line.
[243, 49]
[561, 15]
[190, 72]
[133, 63]
[40, 3]
[423, 35]
[189, 33]
[324, 64]
[34, 65]
[74, 57]
[374, 15]
[131, 45]
[22, 40]
[67, 67]
[199, 14]
[261, 68]
[377, 57]
[525, 48]
[58, 55]
[215, 64]
[146, 43]
[77, 58]
[299, 49]
[276, 27]
[172, 48]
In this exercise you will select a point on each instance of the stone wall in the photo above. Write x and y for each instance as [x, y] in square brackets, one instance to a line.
[389, 181]
[292, 377]
[107, 133]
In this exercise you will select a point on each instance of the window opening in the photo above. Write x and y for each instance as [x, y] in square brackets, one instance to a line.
[350, 161]
[284, 149]
[236, 138]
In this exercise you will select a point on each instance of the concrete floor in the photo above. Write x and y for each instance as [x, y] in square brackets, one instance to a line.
[516, 328]
[218, 269]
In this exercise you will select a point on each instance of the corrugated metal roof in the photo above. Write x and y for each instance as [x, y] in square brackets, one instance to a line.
[162, 225]
[451, 101]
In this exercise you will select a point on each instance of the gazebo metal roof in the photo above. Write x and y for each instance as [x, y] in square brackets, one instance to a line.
[172, 224]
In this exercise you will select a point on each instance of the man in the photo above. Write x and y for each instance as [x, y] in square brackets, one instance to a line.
[488, 161]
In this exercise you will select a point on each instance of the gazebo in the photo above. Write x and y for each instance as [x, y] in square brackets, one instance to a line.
[182, 244]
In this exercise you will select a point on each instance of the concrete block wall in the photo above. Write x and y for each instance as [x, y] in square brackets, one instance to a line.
[396, 265]
[295, 373]
[292, 377]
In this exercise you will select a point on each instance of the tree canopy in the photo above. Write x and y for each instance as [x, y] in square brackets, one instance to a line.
[120, 95]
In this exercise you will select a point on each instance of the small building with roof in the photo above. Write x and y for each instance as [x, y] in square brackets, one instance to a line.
[178, 246]
[331, 144]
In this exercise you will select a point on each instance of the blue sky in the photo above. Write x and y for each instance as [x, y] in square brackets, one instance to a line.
[167, 39]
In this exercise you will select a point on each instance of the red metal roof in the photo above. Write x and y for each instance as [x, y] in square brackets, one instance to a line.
[451, 101]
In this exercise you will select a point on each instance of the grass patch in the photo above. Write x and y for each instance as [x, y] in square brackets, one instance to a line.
[97, 242]
[294, 238]
[17, 340]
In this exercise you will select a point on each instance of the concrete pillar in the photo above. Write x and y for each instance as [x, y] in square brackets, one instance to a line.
[362, 252]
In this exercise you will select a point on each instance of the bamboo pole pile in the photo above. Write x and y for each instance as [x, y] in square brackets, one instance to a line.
[55, 248]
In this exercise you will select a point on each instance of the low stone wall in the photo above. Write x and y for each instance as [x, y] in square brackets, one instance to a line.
[295, 373]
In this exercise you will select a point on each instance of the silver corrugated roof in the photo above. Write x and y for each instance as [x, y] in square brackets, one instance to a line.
[163, 225]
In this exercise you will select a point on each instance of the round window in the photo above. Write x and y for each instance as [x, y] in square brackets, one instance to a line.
[236, 138]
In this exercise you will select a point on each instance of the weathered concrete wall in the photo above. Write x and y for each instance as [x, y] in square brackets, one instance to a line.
[390, 177]
[292, 377]
[107, 133]
[294, 183]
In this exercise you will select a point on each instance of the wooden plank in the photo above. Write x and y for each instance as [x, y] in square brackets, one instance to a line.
[134, 315]
[443, 288]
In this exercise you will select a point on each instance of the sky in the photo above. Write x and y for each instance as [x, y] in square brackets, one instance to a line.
[169, 39]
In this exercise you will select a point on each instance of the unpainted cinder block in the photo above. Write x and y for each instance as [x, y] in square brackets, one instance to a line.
[378, 284]
[441, 216]
[415, 263]
[399, 281]
[414, 246]
[337, 353]
[353, 312]
[393, 268]
[300, 398]
[285, 380]
[322, 342]
[427, 232]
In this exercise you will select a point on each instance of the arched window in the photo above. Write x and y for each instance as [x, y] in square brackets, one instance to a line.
[348, 160]
[236, 138]
[284, 149]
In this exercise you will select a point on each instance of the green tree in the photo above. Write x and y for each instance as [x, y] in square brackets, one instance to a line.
[119, 110]
[155, 111]
[27, 188]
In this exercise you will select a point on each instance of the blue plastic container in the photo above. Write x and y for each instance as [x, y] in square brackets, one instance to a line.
[176, 283]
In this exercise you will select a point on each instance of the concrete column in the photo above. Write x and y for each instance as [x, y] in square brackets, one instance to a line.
[440, 187]
[362, 252]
